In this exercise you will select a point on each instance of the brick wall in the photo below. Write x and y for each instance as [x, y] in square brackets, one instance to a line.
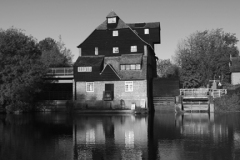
[95, 99]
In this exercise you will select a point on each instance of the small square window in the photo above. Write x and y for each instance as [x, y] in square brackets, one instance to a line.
[133, 48]
[128, 86]
[146, 31]
[133, 66]
[115, 33]
[123, 67]
[138, 66]
[115, 50]
[89, 86]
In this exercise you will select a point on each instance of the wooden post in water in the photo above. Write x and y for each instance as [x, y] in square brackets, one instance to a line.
[211, 104]
[178, 104]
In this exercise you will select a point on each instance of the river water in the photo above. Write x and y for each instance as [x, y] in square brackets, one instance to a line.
[164, 136]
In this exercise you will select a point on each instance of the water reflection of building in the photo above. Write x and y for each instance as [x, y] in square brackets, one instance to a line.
[110, 137]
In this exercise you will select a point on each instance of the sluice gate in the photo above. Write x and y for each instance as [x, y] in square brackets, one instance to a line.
[200, 99]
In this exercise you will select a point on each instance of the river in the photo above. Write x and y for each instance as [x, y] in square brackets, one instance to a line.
[164, 136]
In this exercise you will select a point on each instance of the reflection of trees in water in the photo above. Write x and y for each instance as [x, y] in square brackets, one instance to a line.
[197, 135]
[21, 137]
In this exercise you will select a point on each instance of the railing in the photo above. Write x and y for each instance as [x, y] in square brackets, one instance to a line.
[67, 71]
[195, 92]
[218, 92]
[202, 92]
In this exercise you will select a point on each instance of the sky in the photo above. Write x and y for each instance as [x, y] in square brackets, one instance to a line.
[74, 20]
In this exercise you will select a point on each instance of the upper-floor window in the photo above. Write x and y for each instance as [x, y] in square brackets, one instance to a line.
[115, 50]
[84, 69]
[133, 48]
[146, 31]
[112, 20]
[130, 66]
[96, 50]
[115, 33]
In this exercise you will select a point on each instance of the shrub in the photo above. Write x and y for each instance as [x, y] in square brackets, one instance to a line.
[227, 103]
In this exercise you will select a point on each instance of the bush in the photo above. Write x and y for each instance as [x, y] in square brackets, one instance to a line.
[227, 103]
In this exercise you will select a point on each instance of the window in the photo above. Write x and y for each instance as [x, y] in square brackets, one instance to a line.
[138, 66]
[89, 86]
[84, 69]
[128, 86]
[146, 31]
[112, 20]
[115, 50]
[96, 50]
[133, 66]
[130, 66]
[115, 33]
[133, 48]
[123, 67]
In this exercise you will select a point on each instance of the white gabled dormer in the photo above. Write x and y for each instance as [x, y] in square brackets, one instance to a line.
[112, 20]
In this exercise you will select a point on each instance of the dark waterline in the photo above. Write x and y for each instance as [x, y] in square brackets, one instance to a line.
[52, 136]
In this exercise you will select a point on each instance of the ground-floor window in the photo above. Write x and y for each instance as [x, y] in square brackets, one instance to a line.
[90, 86]
[128, 86]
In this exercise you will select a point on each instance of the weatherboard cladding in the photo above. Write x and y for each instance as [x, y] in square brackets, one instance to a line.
[105, 43]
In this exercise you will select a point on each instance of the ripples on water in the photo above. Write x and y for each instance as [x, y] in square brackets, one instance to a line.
[51, 136]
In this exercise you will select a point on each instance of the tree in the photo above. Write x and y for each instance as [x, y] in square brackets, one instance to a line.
[55, 54]
[166, 69]
[205, 55]
[21, 71]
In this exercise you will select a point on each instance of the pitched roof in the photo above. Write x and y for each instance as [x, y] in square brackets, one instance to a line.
[112, 14]
[89, 61]
[144, 25]
[120, 25]
[131, 59]
[108, 73]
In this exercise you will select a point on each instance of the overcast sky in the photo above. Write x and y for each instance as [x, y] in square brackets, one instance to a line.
[74, 20]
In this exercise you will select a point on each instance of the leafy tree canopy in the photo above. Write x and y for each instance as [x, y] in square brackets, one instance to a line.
[166, 69]
[21, 71]
[204, 55]
[55, 54]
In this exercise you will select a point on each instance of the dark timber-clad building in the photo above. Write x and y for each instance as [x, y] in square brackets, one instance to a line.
[116, 65]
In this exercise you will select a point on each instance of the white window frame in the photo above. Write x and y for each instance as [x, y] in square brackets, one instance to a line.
[96, 50]
[128, 86]
[84, 69]
[138, 66]
[123, 67]
[89, 89]
[112, 20]
[146, 31]
[133, 48]
[115, 33]
[115, 50]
